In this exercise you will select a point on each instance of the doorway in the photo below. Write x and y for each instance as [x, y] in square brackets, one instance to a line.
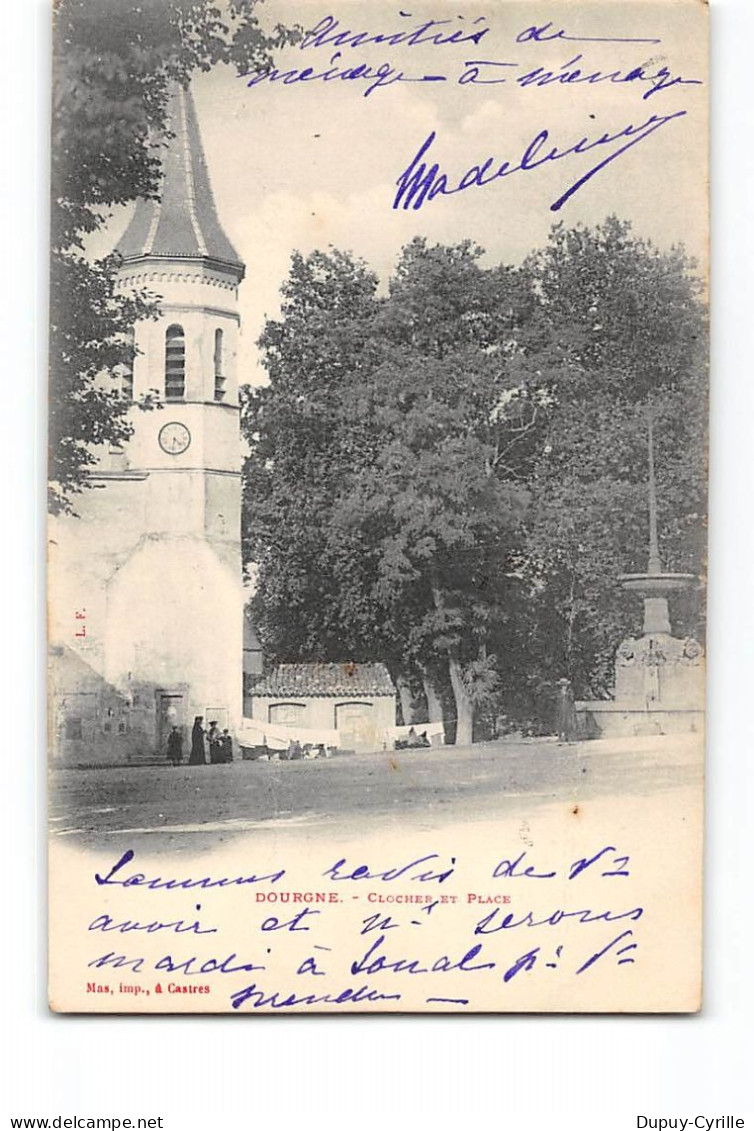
[355, 726]
[171, 712]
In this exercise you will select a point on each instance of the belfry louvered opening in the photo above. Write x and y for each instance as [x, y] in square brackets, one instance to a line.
[175, 363]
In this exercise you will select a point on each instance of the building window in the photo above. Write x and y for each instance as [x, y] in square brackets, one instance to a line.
[219, 369]
[127, 384]
[175, 364]
[127, 369]
[287, 714]
[124, 376]
[123, 373]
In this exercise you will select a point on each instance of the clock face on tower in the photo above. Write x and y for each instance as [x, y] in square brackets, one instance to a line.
[174, 438]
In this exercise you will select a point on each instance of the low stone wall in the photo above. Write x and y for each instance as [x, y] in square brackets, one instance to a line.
[613, 718]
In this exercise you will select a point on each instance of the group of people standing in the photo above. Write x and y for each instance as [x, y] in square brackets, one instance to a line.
[220, 744]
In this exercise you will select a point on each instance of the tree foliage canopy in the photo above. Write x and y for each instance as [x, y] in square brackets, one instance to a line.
[450, 477]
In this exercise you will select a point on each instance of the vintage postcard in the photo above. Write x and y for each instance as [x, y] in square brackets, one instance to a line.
[378, 393]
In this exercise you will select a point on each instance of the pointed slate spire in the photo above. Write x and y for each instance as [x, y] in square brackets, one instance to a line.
[183, 224]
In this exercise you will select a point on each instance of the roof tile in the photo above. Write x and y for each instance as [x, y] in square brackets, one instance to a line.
[307, 680]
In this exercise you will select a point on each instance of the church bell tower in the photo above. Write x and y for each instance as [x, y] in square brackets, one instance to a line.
[156, 552]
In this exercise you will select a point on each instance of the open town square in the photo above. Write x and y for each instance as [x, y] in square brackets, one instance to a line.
[187, 808]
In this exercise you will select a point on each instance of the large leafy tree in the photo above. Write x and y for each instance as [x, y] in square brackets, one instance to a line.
[627, 337]
[384, 486]
[114, 64]
[442, 500]
[308, 431]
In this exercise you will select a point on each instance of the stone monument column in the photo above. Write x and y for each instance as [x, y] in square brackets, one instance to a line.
[659, 678]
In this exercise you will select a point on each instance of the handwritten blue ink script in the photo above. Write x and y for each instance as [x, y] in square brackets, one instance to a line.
[360, 929]
[420, 182]
[498, 56]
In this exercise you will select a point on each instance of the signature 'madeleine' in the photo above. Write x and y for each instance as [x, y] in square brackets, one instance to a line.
[421, 182]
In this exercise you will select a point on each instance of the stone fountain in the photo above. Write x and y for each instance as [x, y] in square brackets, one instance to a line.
[659, 678]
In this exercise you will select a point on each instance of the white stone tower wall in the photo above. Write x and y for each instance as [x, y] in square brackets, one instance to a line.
[154, 556]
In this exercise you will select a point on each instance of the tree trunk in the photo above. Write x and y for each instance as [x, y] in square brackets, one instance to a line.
[464, 706]
[406, 699]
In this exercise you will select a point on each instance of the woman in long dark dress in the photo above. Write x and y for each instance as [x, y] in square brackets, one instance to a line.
[198, 756]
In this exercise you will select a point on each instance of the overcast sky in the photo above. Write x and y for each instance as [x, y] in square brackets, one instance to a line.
[311, 164]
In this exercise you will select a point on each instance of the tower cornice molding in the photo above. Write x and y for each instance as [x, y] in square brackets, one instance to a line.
[193, 307]
[181, 403]
[178, 269]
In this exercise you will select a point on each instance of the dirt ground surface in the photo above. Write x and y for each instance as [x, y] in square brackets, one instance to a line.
[189, 808]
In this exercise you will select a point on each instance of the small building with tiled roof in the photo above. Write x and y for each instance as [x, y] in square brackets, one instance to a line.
[356, 700]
